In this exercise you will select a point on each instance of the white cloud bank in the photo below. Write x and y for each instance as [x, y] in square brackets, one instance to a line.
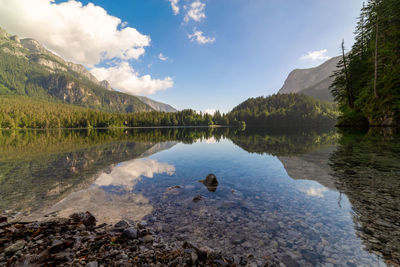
[195, 11]
[174, 6]
[200, 38]
[82, 34]
[123, 77]
[316, 55]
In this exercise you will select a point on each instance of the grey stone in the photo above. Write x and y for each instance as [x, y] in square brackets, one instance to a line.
[129, 233]
[92, 264]
[20, 244]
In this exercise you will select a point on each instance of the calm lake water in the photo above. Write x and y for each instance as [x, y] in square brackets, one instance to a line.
[304, 198]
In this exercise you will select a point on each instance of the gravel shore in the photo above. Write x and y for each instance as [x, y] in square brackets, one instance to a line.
[78, 241]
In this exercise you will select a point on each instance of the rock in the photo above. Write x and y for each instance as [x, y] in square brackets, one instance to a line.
[289, 262]
[194, 257]
[147, 239]
[197, 198]
[121, 224]
[142, 224]
[92, 264]
[20, 244]
[174, 187]
[210, 182]
[85, 217]
[206, 249]
[251, 264]
[238, 239]
[129, 233]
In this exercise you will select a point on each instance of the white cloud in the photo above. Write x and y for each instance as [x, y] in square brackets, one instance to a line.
[210, 111]
[124, 78]
[316, 55]
[174, 6]
[195, 11]
[200, 38]
[82, 34]
[162, 57]
[315, 192]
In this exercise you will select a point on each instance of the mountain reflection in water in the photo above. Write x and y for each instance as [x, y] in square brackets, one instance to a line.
[312, 197]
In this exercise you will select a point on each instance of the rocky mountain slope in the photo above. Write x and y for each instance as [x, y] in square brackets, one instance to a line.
[157, 105]
[28, 69]
[313, 82]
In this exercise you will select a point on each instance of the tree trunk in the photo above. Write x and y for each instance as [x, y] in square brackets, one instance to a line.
[348, 90]
[376, 58]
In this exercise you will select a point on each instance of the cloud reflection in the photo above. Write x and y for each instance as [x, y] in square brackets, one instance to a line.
[111, 205]
[210, 140]
[314, 191]
[129, 173]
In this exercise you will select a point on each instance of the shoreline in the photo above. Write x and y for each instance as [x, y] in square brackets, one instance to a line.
[111, 128]
[78, 241]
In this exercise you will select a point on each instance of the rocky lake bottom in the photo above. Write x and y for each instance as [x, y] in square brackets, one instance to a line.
[321, 198]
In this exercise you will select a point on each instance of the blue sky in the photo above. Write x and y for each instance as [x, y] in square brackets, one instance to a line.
[253, 44]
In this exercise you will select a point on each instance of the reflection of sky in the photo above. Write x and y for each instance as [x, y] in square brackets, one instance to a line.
[257, 190]
[128, 173]
[100, 199]
[314, 191]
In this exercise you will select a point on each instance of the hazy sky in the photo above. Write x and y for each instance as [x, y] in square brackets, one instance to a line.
[200, 54]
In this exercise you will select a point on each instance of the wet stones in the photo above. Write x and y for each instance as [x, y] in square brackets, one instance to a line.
[65, 243]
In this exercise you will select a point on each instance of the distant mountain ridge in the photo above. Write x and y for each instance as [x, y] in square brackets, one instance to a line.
[29, 69]
[158, 106]
[313, 82]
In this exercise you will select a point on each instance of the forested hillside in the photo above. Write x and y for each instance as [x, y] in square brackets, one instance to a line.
[367, 84]
[289, 110]
[24, 112]
[28, 69]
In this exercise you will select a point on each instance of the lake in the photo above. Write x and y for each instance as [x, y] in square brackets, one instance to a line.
[318, 197]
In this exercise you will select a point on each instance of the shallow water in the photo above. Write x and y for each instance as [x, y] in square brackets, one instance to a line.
[309, 198]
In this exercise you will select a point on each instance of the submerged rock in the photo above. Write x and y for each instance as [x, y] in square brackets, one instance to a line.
[197, 198]
[210, 182]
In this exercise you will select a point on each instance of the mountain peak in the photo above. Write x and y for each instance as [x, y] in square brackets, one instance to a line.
[314, 81]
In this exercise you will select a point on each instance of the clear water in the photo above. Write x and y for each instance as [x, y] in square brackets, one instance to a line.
[308, 198]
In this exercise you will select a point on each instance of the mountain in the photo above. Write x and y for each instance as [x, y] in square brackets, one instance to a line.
[157, 105]
[28, 69]
[285, 110]
[313, 82]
